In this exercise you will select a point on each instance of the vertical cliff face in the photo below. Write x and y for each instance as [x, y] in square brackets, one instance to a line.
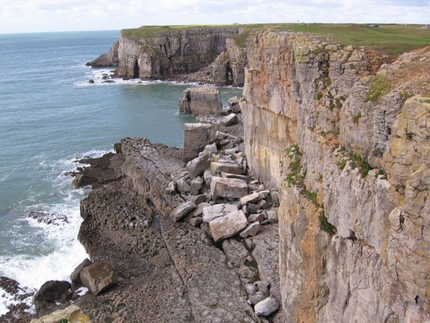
[340, 132]
[176, 52]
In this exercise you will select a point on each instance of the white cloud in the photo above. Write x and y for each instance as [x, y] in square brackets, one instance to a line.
[58, 15]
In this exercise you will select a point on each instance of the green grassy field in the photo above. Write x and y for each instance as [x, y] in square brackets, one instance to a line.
[390, 39]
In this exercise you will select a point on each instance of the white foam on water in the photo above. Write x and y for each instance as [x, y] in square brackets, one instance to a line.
[104, 77]
[7, 300]
[42, 252]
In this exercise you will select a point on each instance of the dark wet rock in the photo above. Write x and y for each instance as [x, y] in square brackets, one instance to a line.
[52, 295]
[102, 171]
[19, 311]
[48, 218]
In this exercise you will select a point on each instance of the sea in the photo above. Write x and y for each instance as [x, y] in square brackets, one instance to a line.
[50, 117]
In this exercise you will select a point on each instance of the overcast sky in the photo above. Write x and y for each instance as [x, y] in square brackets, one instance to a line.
[71, 15]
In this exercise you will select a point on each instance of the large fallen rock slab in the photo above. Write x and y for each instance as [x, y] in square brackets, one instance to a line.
[232, 168]
[196, 137]
[201, 100]
[198, 165]
[229, 188]
[98, 277]
[182, 210]
[250, 198]
[75, 275]
[215, 211]
[228, 225]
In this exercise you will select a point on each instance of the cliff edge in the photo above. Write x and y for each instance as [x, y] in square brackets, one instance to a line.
[344, 134]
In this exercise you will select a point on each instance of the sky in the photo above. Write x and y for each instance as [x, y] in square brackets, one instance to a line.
[17, 16]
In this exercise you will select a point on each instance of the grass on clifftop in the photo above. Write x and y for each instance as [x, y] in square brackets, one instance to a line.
[389, 39]
[148, 31]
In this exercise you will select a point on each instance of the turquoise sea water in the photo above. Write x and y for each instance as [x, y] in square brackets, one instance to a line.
[50, 116]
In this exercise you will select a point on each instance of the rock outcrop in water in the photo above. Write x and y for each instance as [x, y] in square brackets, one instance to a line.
[189, 54]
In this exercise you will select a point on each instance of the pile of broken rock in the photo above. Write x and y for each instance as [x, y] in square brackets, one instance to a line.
[231, 207]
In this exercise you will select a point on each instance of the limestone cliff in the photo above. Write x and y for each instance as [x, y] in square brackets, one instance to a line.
[344, 133]
[176, 52]
[209, 52]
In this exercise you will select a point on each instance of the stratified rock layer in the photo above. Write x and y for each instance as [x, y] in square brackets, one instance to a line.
[352, 158]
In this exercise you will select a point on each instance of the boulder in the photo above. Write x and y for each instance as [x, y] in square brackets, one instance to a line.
[72, 314]
[201, 101]
[196, 185]
[233, 101]
[198, 211]
[199, 199]
[215, 211]
[250, 198]
[207, 176]
[182, 185]
[196, 137]
[195, 222]
[229, 188]
[198, 165]
[228, 225]
[256, 217]
[53, 290]
[49, 294]
[75, 275]
[263, 204]
[98, 277]
[182, 210]
[266, 307]
[257, 297]
[230, 120]
[272, 216]
[211, 149]
[232, 168]
[251, 230]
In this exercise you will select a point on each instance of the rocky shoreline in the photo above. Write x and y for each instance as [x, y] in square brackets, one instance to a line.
[192, 241]
[159, 225]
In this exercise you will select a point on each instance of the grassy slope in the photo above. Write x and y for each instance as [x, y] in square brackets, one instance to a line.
[390, 39]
